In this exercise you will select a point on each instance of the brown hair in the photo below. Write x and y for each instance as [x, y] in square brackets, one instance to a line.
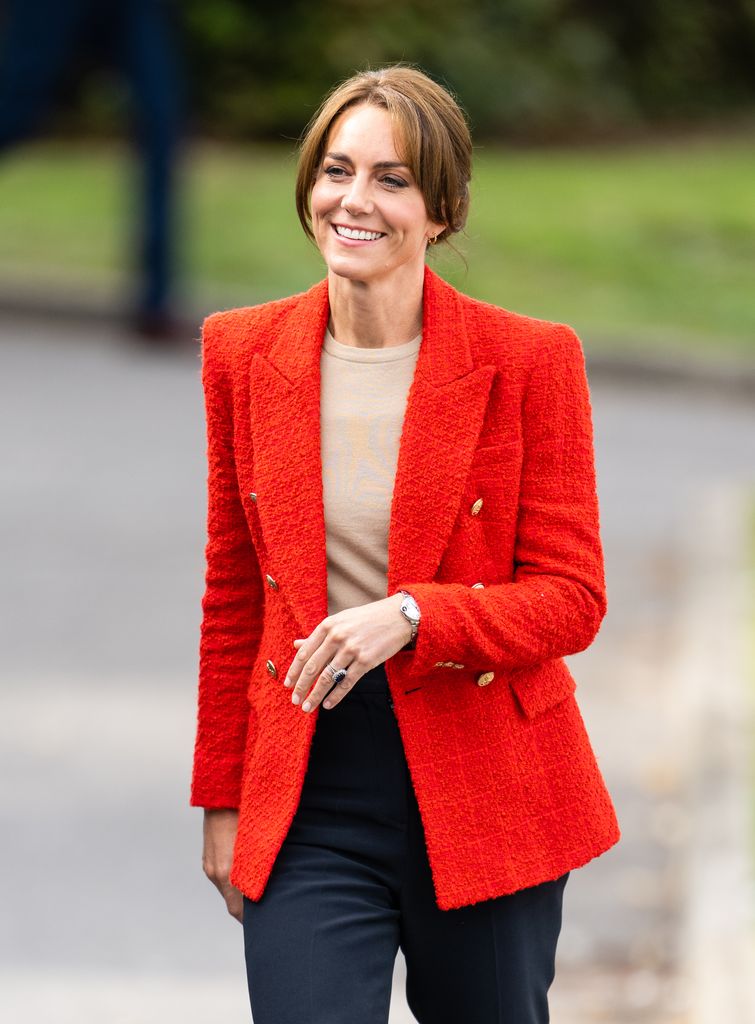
[430, 126]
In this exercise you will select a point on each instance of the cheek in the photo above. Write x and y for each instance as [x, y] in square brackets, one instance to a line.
[415, 222]
[319, 200]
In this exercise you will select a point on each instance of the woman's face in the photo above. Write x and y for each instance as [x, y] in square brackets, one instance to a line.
[368, 214]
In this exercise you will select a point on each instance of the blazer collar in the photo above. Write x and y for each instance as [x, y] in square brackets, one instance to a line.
[444, 414]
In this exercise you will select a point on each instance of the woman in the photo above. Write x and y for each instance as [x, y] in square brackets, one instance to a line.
[403, 546]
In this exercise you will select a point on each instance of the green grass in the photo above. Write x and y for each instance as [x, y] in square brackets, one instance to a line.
[634, 246]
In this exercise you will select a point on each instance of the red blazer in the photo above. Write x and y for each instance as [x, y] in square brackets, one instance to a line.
[494, 530]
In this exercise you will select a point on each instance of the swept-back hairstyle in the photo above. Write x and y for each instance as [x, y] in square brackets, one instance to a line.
[431, 133]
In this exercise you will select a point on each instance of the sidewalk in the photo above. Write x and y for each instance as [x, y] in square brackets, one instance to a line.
[661, 930]
[714, 675]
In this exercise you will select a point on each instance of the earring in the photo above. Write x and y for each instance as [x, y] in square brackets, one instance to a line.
[432, 241]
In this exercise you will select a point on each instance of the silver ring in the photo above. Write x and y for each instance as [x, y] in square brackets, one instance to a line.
[337, 673]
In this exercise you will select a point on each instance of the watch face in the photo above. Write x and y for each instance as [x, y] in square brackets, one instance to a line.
[409, 606]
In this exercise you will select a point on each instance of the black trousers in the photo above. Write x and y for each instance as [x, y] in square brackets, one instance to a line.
[352, 883]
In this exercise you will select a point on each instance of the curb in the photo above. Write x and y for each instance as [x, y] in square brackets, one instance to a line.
[712, 695]
[728, 376]
[732, 377]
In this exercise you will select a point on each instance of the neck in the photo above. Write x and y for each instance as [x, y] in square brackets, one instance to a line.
[376, 314]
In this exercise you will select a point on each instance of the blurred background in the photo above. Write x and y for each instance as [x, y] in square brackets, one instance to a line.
[147, 161]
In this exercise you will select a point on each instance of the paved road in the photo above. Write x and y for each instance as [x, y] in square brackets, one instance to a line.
[106, 916]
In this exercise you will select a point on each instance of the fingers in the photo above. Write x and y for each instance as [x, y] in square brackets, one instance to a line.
[310, 677]
[308, 665]
[323, 687]
[300, 659]
[234, 901]
[308, 671]
[234, 898]
[338, 692]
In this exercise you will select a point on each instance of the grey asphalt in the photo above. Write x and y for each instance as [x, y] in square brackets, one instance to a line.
[105, 913]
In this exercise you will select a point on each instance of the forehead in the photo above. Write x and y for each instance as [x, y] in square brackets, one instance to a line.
[365, 131]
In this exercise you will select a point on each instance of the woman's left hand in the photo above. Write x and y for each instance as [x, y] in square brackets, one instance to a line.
[356, 638]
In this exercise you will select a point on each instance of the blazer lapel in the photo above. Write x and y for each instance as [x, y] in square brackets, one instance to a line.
[443, 418]
[444, 415]
[285, 414]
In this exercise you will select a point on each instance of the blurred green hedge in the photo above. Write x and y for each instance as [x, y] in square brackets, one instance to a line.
[536, 70]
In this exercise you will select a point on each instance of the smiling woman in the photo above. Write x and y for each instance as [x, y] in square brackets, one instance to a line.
[403, 545]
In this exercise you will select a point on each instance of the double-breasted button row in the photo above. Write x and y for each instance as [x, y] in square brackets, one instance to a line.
[482, 680]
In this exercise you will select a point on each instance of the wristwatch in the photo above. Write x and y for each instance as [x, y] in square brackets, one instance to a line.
[410, 611]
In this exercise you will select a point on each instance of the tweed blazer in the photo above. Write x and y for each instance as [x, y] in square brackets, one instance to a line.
[494, 529]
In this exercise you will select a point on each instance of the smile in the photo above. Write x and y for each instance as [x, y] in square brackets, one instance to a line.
[358, 236]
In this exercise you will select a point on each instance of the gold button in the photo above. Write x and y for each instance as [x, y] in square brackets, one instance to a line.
[272, 669]
[485, 678]
[271, 582]
[253, 496]
[476, 507]
[475, 586]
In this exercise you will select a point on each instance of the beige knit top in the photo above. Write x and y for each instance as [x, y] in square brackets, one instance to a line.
[363, 400]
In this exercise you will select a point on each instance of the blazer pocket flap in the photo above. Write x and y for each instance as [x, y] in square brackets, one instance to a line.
[540, 687]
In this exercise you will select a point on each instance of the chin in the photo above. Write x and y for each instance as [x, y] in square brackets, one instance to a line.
[349, 269]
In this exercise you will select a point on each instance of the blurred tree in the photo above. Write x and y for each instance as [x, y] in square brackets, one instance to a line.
[550, 70]
[687, 58]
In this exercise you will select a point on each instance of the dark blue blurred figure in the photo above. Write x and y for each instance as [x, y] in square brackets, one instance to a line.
[40, 41]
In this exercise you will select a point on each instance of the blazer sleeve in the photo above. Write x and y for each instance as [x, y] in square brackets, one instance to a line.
[232, 603]
[557, 597]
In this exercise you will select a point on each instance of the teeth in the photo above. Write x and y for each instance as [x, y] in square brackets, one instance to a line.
[362, 236]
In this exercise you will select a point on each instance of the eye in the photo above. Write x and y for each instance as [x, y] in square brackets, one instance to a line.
[392, 182]
[335, 172]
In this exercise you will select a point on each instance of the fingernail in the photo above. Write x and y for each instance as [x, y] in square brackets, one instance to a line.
[295, 699]
[287, 682]
[306, 706]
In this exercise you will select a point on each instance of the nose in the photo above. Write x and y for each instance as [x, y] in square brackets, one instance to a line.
[356, 198]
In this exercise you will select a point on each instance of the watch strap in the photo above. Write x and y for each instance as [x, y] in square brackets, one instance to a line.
[415, 628]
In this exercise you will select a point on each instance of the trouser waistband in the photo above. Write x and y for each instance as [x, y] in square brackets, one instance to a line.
[374, 681]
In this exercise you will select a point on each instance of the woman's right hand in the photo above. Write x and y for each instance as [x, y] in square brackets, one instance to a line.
[220, 826]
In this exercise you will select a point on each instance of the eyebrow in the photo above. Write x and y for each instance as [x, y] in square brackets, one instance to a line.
[381, 164]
